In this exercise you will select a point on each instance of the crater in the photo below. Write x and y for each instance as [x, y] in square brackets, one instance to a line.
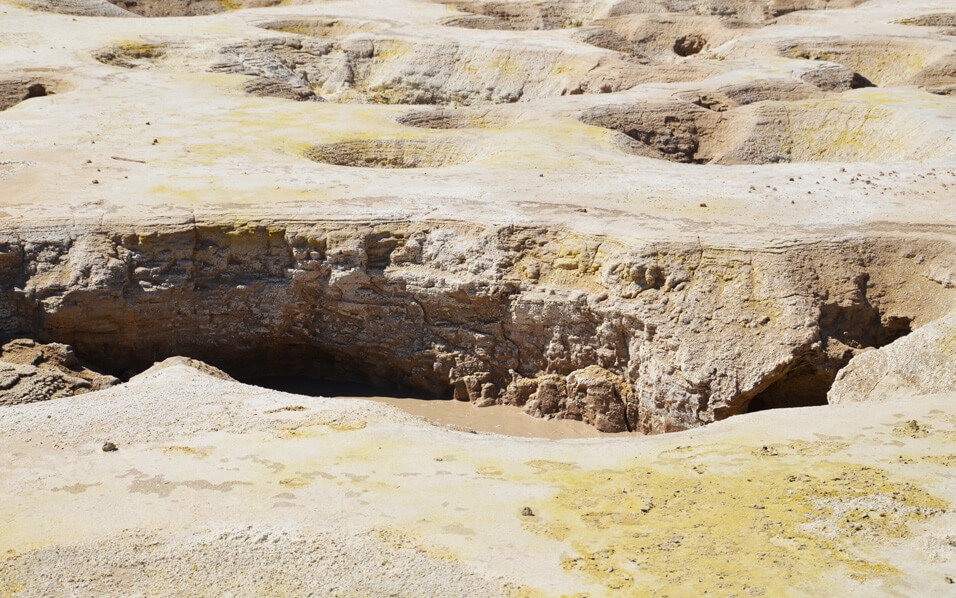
[521, 16]
[322, 27]
[883, 60]
[130, 54]
[447, 309]
[666, 37]
[605, 38]
[15, 91]
[187, 8]
[452, 119]
[393, 153]
[710, 130]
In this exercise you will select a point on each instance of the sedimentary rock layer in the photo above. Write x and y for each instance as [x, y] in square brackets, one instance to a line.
[648, 338]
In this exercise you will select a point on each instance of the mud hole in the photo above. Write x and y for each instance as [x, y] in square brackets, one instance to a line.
[461, 416]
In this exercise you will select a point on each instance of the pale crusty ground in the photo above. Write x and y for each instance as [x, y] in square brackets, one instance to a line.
[223, 155]
[220, 488]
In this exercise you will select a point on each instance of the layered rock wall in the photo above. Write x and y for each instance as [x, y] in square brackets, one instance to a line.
[642, 337]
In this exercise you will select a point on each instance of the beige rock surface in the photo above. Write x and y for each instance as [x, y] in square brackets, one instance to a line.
[218, 488]
[922, 363]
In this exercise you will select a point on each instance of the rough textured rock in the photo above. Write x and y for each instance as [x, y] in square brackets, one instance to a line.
[921, 363]
[392, 69]
[84, 8]
[32, 372]
[481, 312]
[708, 128]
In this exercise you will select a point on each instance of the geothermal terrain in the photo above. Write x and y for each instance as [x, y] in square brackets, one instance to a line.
[682, 272]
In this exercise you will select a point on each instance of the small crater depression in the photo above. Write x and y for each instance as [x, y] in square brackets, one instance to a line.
[393, 153]
[187, 8]
[520, 16]
[608, 39]
[452, 119]
[131, 54]
[665, 37]
[708, 129]
[322, 27]
[377, 69]
[687, 45]
[880, 60]
[15, 91]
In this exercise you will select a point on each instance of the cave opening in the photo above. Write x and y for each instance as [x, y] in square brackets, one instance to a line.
[37, 90]
[312, 386]
[807, 381]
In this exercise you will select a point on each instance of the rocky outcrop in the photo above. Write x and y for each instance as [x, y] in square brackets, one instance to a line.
[922, 363]
[32, 372]
[394, 69]
[645, 338]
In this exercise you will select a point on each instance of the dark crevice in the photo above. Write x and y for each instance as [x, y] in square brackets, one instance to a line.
[804, 385]
[37, 90]
[844, 330]
[319, 387]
